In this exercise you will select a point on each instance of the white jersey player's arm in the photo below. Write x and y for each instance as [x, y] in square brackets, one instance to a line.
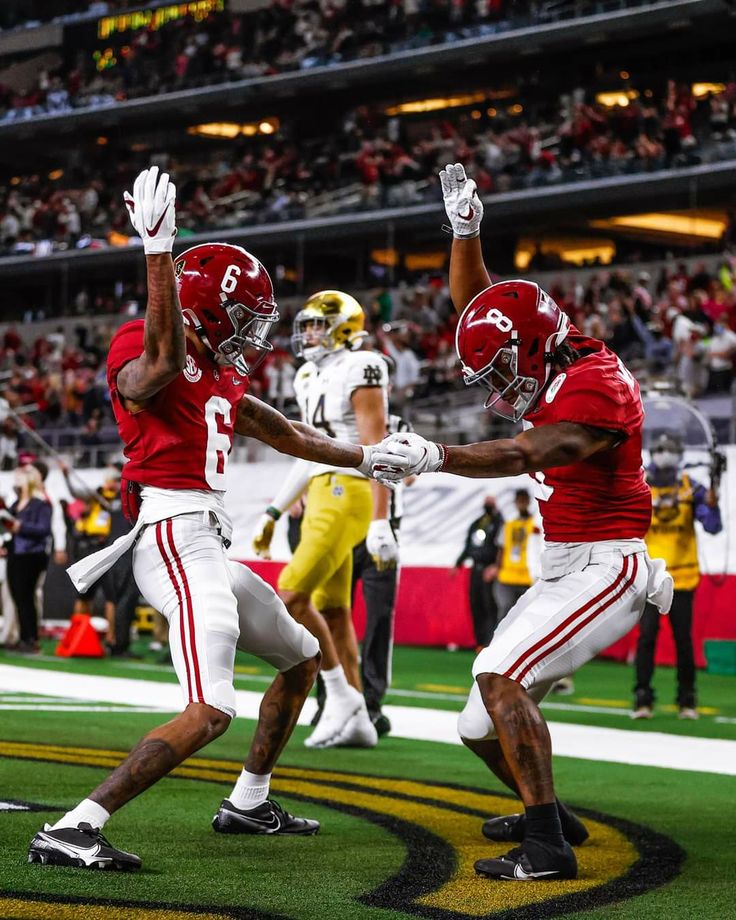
[292, 488]
[370, 417]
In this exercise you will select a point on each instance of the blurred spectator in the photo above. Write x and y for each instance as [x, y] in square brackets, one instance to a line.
[720, 353]
[28, 552]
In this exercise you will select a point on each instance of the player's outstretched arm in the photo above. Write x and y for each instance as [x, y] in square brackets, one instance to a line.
[468, 273]
[257, 420]
[532, 450]
[152, 213]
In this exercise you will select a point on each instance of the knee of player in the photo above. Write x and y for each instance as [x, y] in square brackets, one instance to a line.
[474, 723]
[306, 672]
[212, 722]
[497, 691]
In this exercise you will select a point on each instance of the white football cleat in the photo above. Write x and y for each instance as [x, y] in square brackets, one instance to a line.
[336, 716]
[359, 731]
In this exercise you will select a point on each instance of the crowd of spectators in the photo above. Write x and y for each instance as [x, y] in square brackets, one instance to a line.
[374, 160]
[286, 35]
[679, 326]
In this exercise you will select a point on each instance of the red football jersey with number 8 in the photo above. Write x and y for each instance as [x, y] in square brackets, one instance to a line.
[182, 439]
[606, 496]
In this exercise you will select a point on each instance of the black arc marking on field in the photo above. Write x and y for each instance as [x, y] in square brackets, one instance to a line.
[431, 861]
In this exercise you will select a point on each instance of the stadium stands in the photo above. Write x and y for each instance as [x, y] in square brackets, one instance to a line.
[672, 323]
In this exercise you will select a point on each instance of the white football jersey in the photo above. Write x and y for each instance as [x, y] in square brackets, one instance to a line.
[324, 393]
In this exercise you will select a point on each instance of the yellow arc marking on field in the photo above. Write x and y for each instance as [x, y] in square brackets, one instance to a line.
[443, 688]
[608, 854]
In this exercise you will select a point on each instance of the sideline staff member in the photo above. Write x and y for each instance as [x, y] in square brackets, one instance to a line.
[677, 502]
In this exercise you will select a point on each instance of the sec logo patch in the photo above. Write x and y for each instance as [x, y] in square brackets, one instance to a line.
[338, 491]
[554, 387]
[192, 371]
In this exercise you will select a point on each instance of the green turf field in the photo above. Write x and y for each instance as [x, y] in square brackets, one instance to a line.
[401, 824]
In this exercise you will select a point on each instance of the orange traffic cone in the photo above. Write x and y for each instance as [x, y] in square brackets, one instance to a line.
[80, 640]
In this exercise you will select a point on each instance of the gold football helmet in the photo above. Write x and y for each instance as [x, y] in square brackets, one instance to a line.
[329, 320]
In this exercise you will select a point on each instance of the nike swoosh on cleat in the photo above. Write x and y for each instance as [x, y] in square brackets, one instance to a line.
[524, 876]
[468, 216]
[157, 227]
[67, 848]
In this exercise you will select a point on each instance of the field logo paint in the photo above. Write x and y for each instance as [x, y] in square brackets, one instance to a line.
[439, 826]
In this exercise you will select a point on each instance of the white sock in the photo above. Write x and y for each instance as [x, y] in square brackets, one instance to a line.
[336, 684]
[87, 811]
[250, 791]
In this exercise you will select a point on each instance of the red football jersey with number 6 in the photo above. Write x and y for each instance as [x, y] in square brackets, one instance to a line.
[182, 439]
[606, 496]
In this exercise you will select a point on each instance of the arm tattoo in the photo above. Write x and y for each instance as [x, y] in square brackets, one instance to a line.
[164, 344]
[257, 420]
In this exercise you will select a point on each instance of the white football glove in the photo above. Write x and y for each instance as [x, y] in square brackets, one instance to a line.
[375, 457]
[382, 546]
[464, 207]
[405, 454]
[152, 209]
[262, 536]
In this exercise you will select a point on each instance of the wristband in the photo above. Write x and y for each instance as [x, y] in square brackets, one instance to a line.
[443, 457]
[273, 512]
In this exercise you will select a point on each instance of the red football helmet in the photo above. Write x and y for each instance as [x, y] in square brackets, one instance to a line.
[226, 296]
[506, 339]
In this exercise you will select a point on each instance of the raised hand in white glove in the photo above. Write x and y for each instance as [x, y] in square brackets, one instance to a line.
[464, 207]
[152, 209]
[405, 454]
[262, 536]
[382, 546]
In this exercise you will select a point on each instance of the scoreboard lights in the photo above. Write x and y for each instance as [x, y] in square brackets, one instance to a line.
[156, 18]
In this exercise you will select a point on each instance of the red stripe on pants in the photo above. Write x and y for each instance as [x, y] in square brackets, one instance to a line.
[525, 656]
[190, 610]
[170, 570]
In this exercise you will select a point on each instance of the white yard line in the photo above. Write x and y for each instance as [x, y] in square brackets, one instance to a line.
[587, 742]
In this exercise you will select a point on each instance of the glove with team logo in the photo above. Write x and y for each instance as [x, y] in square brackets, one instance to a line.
[382, 546]
[152, 209]
[408, 454]
[263, 534]
[464, 207]
[375, 457]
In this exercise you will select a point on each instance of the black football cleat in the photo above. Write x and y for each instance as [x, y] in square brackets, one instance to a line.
[535, 864]
[84, 847]
[268, 818]
[381, 723]
[512, 828]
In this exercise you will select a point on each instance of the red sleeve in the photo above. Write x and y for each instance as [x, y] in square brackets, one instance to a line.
[126, 344]
[602, 401]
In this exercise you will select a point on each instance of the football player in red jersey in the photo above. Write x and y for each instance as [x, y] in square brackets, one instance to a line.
[582, 418]
[177, 383]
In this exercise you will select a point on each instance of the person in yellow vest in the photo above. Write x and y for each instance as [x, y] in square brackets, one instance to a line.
[677, 502]
[515, 541]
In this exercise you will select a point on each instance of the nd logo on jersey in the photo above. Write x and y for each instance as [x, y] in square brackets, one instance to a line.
[192, 371]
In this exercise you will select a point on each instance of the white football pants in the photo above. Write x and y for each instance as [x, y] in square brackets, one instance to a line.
[213, 606]
[562, 621]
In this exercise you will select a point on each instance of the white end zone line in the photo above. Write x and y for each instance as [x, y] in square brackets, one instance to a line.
[586, 742]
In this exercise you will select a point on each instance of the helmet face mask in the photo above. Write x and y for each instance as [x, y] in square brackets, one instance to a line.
[328, 322]
[247, 347]
[510, 395]
[313, 337]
